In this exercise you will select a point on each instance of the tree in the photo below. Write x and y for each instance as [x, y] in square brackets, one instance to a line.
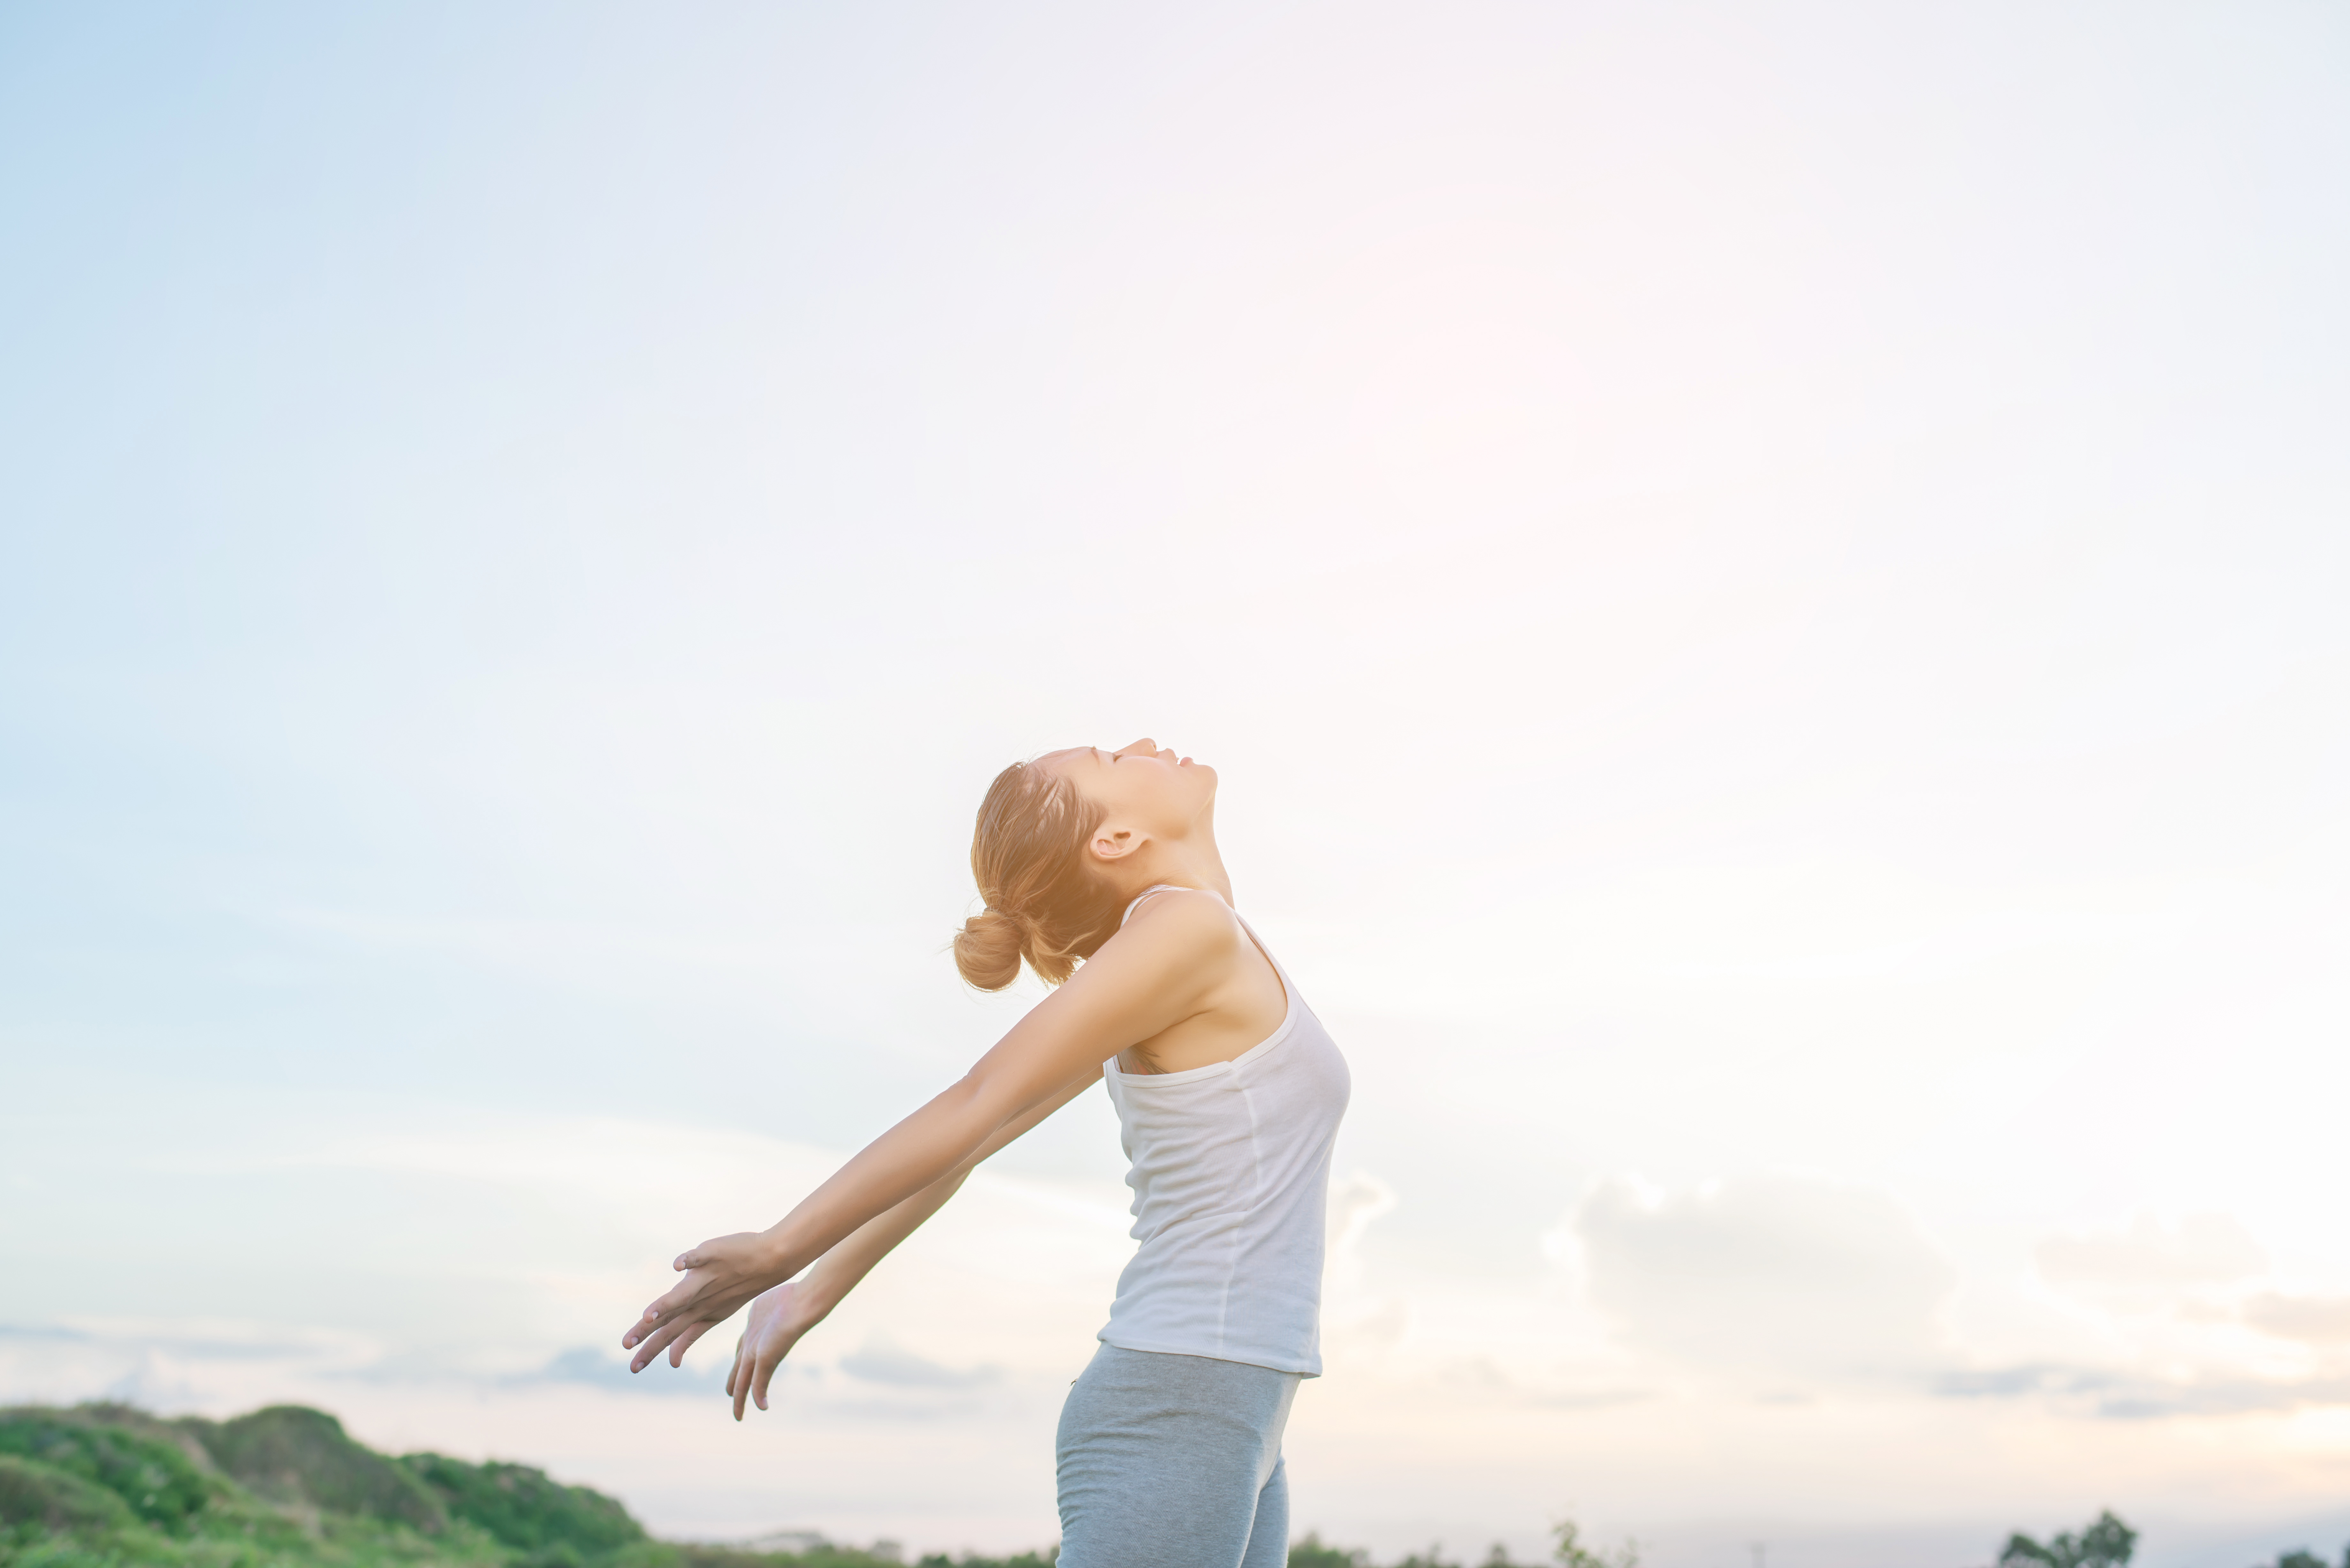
[1311, 1553]
[2107, 1543]
[1570, 1551]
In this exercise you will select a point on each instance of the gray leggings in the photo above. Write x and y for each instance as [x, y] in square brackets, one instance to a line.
[1173, 1461]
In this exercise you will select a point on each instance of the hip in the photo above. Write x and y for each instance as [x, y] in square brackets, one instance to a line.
[1137, 1401]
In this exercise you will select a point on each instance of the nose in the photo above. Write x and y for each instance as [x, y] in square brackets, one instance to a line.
[1145, 747]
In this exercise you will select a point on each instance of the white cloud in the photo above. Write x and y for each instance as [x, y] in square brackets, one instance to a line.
[1357, 1201]
[2321, 1320]
[1775, 1276]
[882, 1360]
[2200, 1249]
[596, 1367]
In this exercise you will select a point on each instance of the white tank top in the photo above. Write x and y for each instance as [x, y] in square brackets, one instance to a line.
[1231, 1172]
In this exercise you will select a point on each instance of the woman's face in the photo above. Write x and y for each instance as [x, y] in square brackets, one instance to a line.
[1143, 787]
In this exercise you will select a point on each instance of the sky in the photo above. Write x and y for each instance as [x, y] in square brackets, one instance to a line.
[1765, 585]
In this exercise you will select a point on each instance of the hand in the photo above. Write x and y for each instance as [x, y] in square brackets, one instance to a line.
[720, 1275]
[777, 1320]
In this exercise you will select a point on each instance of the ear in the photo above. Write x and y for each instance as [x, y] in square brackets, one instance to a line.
[1111, 842]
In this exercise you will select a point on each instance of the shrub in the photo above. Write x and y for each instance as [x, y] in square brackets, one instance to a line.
[560, 1526]
[154, 1478]
[290, 1453]
[2107, 1543]
[53, 1499]
[1570, 1551]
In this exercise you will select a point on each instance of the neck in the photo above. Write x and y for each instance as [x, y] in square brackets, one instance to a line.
[1192, 861]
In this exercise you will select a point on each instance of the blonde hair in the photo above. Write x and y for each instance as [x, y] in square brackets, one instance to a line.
[1044, 902]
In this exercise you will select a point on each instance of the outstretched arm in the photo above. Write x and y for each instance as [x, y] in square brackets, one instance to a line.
[780, 1316]
[1144, 979]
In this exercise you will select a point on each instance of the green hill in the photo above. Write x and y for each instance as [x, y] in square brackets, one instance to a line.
[108, 1486]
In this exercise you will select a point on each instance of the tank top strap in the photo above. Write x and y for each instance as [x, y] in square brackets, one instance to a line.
[1152, 892]
[1155, 889]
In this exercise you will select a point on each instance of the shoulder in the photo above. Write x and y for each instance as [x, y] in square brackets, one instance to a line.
[1186, 921]
[1176, 944]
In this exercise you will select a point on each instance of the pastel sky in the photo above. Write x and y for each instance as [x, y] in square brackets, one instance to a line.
[1767, 584]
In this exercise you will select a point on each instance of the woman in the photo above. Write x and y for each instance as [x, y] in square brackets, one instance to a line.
[1229, 1094]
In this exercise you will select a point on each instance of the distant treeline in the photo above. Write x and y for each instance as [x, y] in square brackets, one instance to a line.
[110, 1486]
[2107, 1543]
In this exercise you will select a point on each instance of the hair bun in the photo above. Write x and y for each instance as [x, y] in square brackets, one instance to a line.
[988, 947]
[1044, 902]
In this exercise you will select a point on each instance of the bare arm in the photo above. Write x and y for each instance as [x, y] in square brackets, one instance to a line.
[781, 1316]
[1142, 981]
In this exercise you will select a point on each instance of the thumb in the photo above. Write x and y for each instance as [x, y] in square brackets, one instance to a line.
[701, 1254]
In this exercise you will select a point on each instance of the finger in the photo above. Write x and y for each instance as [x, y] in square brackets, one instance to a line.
[649, 1351]
[734, 1368]
[652, 1319]
[663, 1308]
[693, 1331]
[739, 1383]
[754, 1376]
[762, 1370]
[711, 1252]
